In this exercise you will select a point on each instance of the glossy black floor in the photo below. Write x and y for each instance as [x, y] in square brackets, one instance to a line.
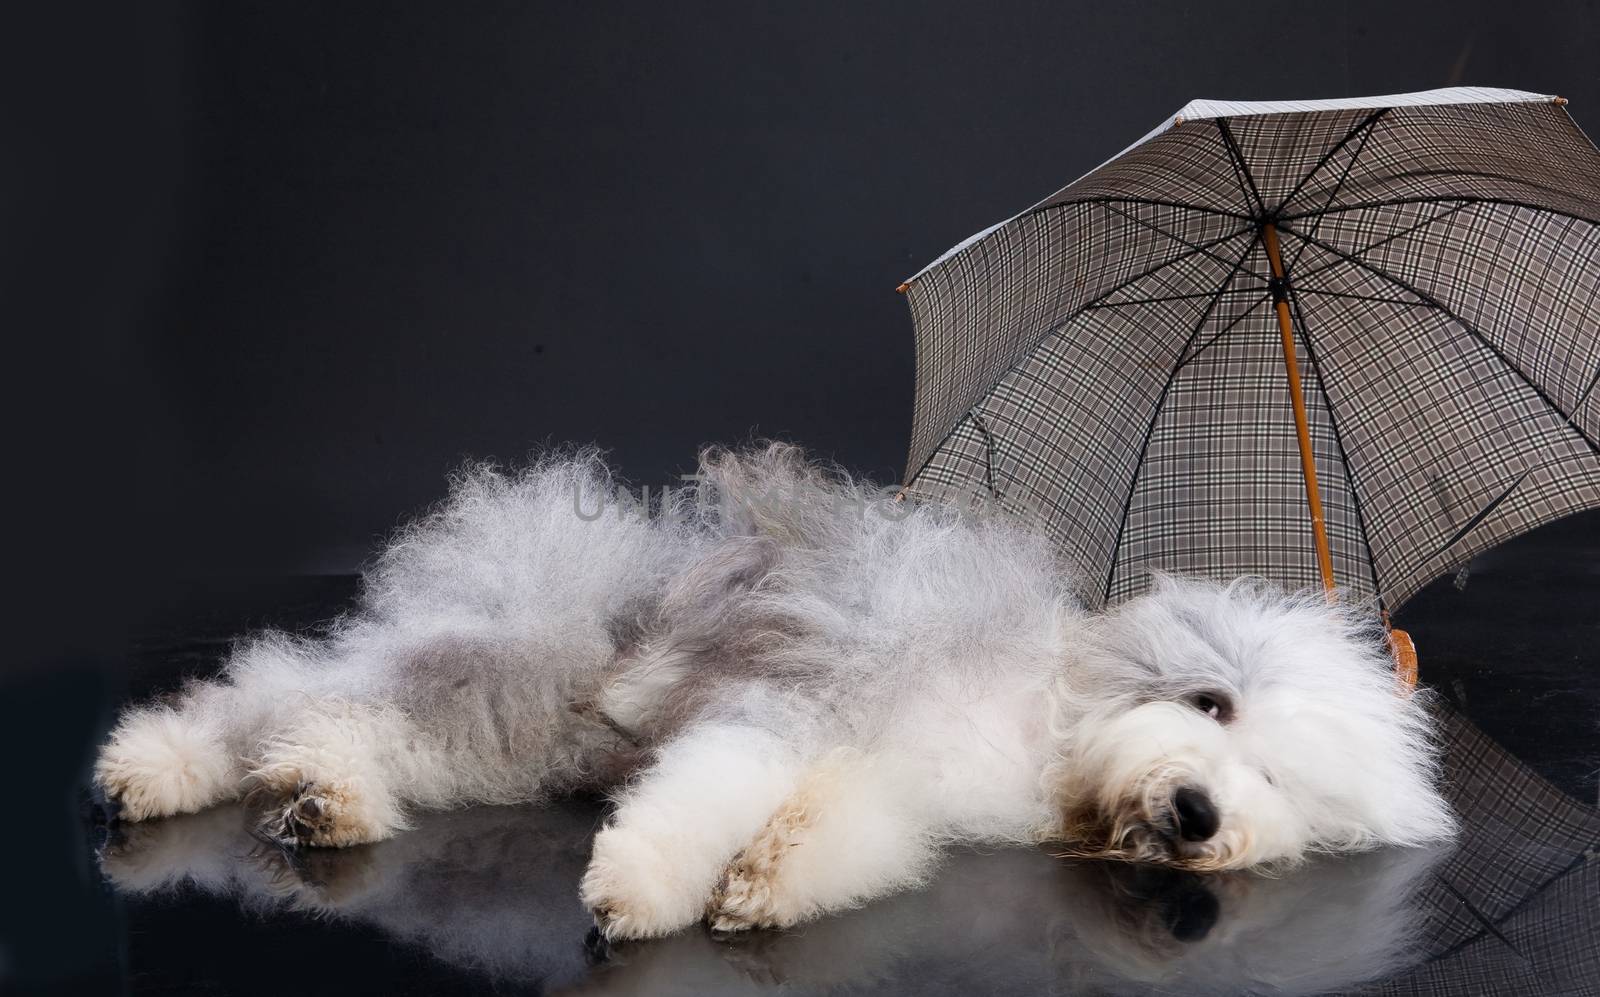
[485, 900]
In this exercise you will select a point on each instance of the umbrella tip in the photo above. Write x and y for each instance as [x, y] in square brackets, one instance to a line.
[903, 288]
[1559, 101]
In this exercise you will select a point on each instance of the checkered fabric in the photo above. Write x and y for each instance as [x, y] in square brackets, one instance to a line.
[1515, 907]
[1108, 363]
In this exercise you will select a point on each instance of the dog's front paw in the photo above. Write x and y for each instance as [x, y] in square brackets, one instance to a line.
[636, 891]
[325, 814]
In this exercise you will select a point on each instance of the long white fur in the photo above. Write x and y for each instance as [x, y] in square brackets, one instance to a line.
[796, 691]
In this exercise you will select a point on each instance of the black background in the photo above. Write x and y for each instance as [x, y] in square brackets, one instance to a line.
[271, 270]
[331, 250]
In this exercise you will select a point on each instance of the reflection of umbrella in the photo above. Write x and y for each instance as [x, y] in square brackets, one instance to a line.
[1136, 363]
[1514, 910]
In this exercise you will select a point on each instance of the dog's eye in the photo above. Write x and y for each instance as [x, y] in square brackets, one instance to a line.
[1212, 705]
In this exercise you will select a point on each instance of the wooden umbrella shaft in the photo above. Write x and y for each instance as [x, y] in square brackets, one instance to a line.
[1308, 461]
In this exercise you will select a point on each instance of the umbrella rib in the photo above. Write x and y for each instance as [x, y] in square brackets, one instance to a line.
[1081, 310]
[1470, 329]
[1384, 241]
[1480, 516]
[1463, 174]
[1486, 925]
[1155, 416]
[1040, 209]
[1192, 357]
[1593, 381]
[1338, 442]
[1240, 168]
[1466, 201]
[1363, 297]
[1136, 278]
[1152, 226]
[1370, 125]
[1576, 863]
[1366, 124]
[989, 449]
[1171, 297]
[1154, 202]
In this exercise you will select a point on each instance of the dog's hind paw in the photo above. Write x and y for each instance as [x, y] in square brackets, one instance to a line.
[743, 900]
[754, 891]
[159, 763]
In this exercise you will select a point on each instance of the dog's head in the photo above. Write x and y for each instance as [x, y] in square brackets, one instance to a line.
[1218, 727]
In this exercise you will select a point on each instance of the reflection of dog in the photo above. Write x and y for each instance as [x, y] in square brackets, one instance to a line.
[1327, 926]
[797, 699]
[491, 889]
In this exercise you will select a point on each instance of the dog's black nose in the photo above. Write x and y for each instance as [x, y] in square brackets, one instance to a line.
[1196, 817]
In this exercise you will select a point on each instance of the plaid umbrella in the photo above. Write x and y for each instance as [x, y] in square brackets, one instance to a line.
[1348, 342]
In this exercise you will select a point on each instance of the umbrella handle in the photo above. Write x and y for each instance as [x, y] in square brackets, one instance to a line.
[1404, 652]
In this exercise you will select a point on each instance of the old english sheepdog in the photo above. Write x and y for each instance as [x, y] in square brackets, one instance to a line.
[797, 692]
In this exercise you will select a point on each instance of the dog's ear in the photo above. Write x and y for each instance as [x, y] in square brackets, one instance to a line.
[1359, 760]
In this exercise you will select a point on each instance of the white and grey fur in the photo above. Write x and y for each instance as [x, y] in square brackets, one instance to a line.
[797, 693]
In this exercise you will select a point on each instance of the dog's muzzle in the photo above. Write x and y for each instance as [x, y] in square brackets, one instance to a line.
[1163, 829]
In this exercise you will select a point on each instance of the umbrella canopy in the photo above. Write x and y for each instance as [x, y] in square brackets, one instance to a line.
[1112, 362]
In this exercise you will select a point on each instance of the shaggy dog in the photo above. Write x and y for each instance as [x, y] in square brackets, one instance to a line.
[797, 691]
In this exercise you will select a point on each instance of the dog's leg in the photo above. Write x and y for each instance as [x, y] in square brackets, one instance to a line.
[322, 762]
[188, 752]
[845, 836]
[656, 862]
